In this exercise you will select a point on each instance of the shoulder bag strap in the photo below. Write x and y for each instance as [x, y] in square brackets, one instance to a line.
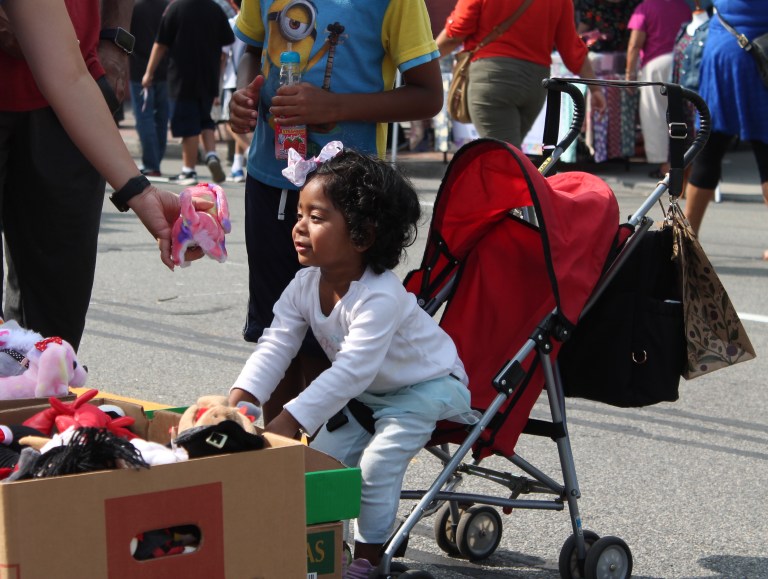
[740, 38]
[499, 29]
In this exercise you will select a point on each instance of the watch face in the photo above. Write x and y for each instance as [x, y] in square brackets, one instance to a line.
[125, 40]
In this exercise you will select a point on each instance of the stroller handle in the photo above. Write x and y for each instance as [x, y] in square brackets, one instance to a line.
[705, 123]
[556, 85]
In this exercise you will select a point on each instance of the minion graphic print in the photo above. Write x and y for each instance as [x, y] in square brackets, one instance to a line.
[345, 47]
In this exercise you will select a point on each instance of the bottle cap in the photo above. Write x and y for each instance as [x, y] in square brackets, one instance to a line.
[289, 57]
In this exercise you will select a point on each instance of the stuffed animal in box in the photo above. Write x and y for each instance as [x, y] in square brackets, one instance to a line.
[213, 427]
[79, 414]
[204, 229]
[10, 445]
[15, 342]
[214, 409]
[52, 367]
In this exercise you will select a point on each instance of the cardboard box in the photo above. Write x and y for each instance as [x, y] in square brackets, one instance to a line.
[249, 508]
[324, 545]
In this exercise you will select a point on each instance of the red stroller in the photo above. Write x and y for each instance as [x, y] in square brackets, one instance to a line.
[502, 235]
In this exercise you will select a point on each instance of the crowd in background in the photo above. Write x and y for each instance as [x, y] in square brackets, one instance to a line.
[183, 78]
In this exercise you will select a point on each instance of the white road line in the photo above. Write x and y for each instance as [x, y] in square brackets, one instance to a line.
[754, 318]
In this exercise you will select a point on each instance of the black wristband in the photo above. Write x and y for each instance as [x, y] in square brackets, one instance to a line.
[133, 187]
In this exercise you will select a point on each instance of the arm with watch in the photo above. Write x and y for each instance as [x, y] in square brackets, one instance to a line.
[115, 44]
[60, 72]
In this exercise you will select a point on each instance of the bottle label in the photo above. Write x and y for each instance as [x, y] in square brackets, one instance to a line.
[293, 137]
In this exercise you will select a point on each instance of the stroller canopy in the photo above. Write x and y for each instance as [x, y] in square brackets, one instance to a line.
[509, 273]
[577, 215]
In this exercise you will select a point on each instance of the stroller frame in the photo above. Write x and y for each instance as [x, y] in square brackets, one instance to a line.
[584, 551]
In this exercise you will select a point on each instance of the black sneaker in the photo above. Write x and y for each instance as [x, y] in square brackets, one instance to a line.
[184, 178]
[214, 166]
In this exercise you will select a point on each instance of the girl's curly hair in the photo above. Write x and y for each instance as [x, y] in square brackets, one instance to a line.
[379, 204]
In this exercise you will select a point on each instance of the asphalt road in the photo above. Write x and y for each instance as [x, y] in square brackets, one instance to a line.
[684, 483]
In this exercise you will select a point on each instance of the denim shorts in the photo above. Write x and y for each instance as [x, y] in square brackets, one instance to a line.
[189, 118]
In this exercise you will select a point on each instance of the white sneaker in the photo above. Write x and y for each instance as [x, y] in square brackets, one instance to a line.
[184, 178]
[237, 176]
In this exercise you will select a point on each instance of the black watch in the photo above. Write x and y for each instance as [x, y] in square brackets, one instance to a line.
[120, 36]
[134, 186]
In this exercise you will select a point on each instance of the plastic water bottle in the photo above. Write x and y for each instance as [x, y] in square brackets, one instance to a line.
[295, 136]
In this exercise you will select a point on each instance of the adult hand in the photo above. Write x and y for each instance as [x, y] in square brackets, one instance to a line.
[158, 210]
[115, 62]
[243, 107]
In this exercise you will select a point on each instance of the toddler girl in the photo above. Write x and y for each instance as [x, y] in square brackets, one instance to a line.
[356, 215]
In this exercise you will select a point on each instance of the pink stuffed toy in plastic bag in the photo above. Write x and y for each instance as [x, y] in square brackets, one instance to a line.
[204, 229]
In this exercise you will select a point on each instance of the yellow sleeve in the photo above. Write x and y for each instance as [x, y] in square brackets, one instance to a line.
[407, 34]
[249, 21]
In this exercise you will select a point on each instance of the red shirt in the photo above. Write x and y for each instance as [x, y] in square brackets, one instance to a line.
[18, 90]
[545, 25]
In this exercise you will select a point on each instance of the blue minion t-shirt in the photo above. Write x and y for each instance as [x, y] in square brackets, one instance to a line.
[345, 47]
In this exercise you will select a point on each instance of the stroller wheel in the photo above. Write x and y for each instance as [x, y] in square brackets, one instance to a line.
[479, 532]
[444, 529]
[609, 558]
[569, 555]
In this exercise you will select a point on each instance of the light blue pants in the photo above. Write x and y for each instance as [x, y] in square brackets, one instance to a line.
[405, 420]
[383, 459]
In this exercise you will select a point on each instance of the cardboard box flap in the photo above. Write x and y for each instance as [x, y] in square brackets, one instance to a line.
[316, 460]
[159, 429]
[9, 404]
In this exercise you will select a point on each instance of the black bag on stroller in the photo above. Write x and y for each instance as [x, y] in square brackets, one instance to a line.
[629, 348]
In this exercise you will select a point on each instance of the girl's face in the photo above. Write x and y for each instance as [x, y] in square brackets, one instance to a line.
[320, 236]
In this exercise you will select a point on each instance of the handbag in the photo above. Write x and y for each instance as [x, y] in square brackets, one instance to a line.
[628, 349]
[715, 336]
[757, 47]
[458, 103]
